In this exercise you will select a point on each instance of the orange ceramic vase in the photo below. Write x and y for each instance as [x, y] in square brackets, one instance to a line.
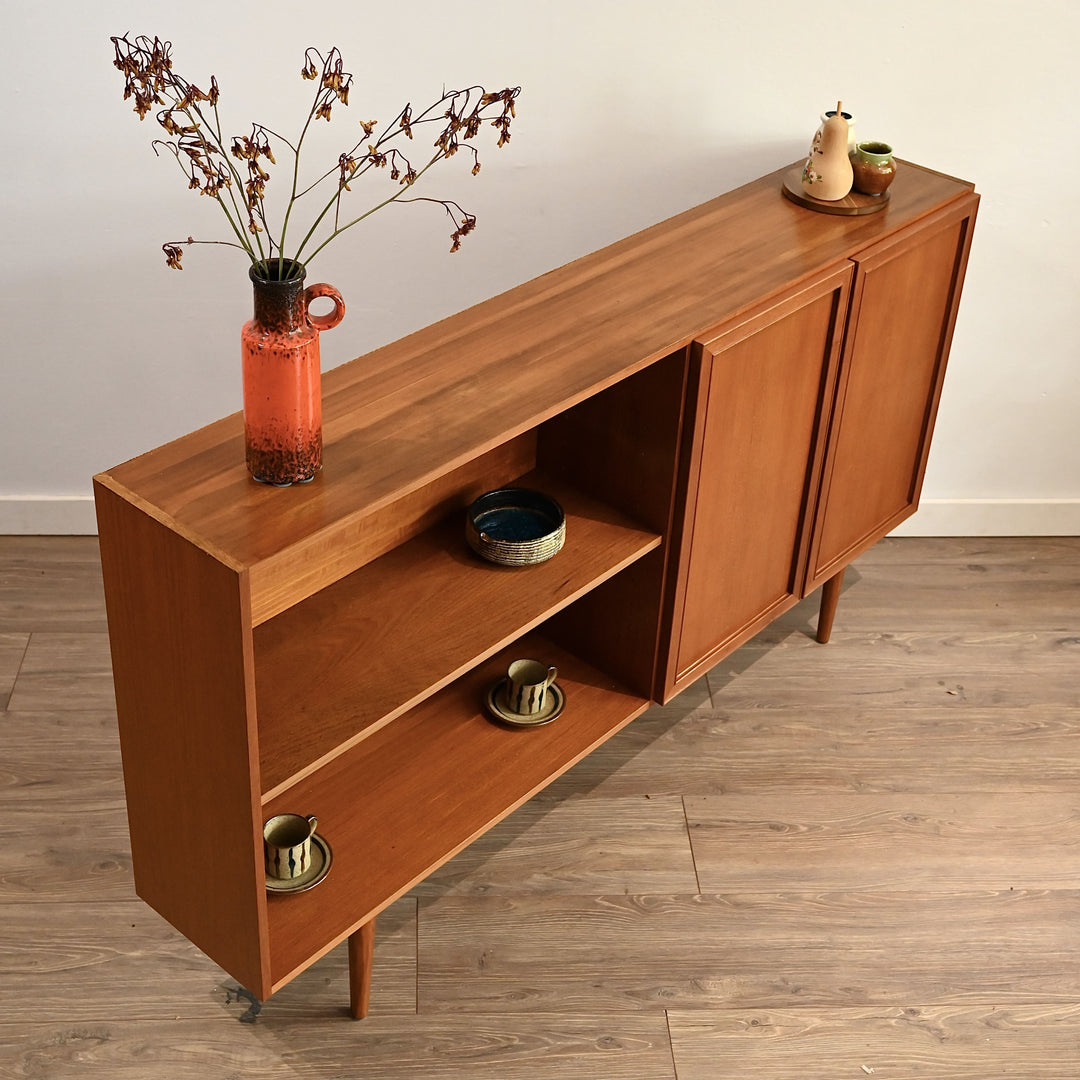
[282, 381]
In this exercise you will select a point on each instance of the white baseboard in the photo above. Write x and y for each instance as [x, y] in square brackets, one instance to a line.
[47, 515]
[73, 515]
[993, 517]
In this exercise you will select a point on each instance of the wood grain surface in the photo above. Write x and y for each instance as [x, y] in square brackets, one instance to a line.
[898, 841]
[64, 671]
[836, 947]
[495, 1047]
[1035, 1042]
[442, 776]
[90, 778]
[383, 639]
[51, 583]
[903, 669]
[997, 583]
[12, 651]
[769, 380]
[890, 383]
[575, 846]
[817, 859]
[181, 656]
[851, 746]
[421, 407]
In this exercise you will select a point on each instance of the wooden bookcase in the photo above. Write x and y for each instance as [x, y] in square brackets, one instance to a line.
[730, 406]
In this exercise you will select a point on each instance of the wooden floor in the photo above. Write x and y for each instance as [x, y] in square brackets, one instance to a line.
[858, 859]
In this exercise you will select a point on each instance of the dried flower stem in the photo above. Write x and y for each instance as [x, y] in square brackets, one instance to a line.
[200, 150]
[339, 229]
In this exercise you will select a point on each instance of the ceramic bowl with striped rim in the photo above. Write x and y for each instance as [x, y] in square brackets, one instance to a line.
[515, 526]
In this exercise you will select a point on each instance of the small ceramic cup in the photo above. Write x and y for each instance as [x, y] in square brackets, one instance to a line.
[287, 845]
[527, 682]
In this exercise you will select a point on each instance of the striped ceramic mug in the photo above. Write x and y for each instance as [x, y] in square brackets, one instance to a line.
[287, 845]
[526, 686]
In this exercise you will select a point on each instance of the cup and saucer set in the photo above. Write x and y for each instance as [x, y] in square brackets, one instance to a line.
[297, 857]
[527, 696]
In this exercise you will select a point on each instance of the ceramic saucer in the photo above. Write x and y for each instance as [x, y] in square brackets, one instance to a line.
[321, 857]
[496, 704]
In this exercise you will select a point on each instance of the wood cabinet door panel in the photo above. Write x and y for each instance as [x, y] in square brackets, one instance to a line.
[903, 307]
[763, 390]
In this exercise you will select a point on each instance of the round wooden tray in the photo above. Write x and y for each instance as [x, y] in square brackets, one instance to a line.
[850, 205]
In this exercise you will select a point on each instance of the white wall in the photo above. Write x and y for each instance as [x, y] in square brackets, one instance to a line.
[632, 110]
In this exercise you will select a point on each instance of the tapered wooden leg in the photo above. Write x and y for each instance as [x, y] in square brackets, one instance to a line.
[830, 597]
[361, 953]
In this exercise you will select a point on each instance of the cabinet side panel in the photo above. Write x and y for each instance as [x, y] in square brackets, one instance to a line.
[897, 345]
[182, 670]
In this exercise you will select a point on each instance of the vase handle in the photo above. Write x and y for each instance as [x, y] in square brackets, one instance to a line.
[324, 322]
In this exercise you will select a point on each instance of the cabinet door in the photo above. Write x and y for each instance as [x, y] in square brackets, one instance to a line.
[762, 387]
[903, 308]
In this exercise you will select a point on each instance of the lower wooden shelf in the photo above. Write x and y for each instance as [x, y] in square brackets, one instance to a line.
[407, 798]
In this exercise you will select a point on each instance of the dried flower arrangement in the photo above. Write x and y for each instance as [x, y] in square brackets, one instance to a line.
[236, 175]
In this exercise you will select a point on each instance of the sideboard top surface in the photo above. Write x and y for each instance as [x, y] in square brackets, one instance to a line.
[410, 411]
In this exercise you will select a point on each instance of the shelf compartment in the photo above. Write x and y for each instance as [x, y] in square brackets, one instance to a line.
[404, 800]
[358, 654]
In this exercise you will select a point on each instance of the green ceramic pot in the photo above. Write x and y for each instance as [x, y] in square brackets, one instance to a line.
[872, 167]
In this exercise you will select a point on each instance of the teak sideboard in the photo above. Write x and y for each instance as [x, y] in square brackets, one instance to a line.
[730, 406]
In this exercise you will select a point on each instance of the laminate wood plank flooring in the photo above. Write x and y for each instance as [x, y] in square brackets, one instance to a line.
[943, 583]
[957, 1043]
[898, 670]
[583, 846]
[90, 961]
[896, 841]
[12, 651]
[64, 671]
[847, 746]
[448, 1048]
[63, 762]
[51, 583]
[85, 856]
[828, 947]
[816, 861]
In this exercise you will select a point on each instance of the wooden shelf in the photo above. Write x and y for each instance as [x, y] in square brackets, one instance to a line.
[361, 652]
[407, 798]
